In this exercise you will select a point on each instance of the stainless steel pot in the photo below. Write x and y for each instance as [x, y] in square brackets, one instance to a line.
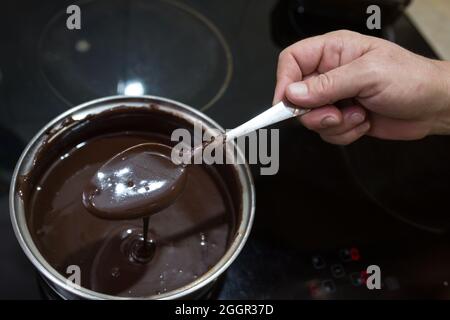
[58, 282]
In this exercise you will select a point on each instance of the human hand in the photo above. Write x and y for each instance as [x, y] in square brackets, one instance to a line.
[388, 92]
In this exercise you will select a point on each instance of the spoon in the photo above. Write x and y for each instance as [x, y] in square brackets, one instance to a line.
[281, 111]
[143, 180]
[277, 113]
[135, 183]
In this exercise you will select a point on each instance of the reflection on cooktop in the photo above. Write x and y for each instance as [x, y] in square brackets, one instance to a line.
[407, 179]
[162, 47]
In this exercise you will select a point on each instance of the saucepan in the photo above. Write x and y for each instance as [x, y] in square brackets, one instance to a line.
[241, 180]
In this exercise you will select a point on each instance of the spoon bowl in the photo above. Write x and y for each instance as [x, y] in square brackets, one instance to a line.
[136, 183]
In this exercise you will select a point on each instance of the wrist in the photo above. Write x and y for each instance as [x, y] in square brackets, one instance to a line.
[442, 121]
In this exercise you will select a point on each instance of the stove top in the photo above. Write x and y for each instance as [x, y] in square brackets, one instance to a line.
[317, 229]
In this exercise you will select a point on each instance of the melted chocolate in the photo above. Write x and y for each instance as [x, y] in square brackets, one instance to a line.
[135, 183]
[189, 236]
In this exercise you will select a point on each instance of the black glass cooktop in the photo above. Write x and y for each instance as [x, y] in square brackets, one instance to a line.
[328, 214]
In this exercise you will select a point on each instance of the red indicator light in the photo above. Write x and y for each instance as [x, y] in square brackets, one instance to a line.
[313, 289]
[354, 253]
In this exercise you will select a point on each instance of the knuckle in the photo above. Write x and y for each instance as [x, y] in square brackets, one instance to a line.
[282, 55]
[336, 45]
[343, 33]
[347, 33]
[324, 81]
[323, 86]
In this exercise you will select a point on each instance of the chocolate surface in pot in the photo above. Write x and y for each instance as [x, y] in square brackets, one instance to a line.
[191, 235]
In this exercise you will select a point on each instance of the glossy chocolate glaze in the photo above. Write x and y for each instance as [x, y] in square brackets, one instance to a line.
[190, 235]
[137, 182]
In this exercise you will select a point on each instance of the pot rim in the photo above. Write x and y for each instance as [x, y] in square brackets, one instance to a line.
[17, 212]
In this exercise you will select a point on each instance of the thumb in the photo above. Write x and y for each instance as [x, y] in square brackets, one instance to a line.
[343, 82]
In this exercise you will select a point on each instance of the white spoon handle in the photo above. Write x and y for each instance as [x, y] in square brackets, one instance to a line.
[279, 112]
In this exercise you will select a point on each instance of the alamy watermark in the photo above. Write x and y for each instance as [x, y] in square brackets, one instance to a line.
[373, 280]
[73, 21]
[374, 20]
[258, 147]
[73, 279]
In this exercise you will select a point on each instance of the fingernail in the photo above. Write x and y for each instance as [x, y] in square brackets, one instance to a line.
[329, 121]
[298, 89]
[356, 118]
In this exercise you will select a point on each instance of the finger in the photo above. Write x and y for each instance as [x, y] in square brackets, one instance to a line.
[295, 61]
[348, 81]
[352, 116]
[280, 89]
[302, 58]
[283, 83]
[320, 53]
[321, 118]
[349, 136]
[288, 71]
